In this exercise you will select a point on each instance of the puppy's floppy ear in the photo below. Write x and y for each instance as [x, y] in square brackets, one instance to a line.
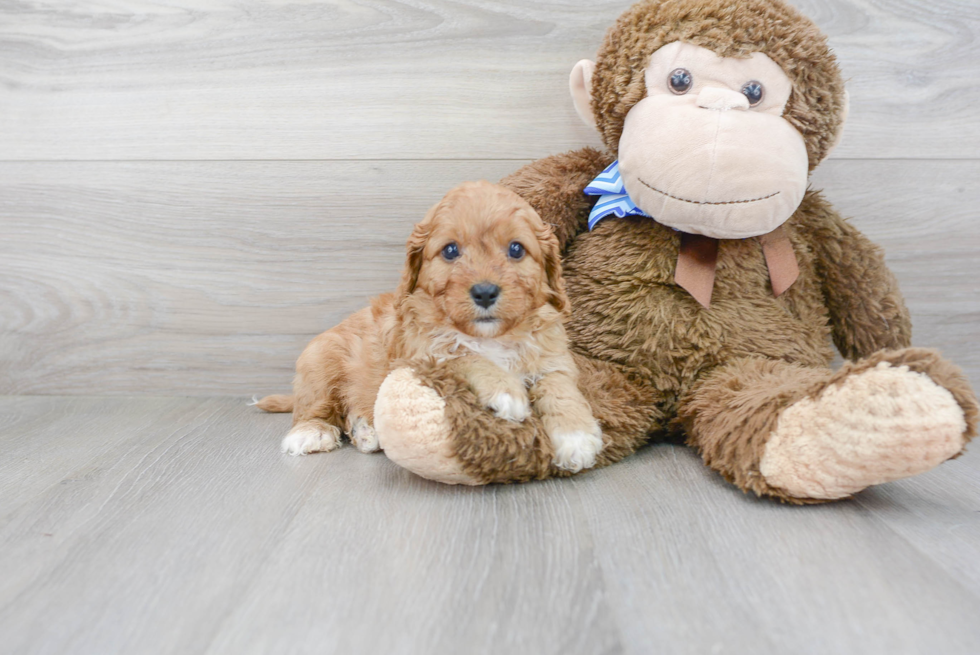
[415, 254]
[552, 268]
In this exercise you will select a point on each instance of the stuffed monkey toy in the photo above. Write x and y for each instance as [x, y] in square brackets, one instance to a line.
[707, 282]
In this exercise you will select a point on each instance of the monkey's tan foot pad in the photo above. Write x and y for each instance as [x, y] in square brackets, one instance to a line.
[882, 424]
[410, 420]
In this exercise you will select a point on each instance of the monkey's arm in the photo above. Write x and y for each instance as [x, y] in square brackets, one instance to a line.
[554, 185]
[867, 312]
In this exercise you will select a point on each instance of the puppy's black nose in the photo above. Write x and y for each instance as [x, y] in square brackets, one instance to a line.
[485, 294]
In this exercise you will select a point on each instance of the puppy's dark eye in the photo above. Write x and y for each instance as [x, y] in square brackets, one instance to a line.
[450, 251]
[515, 250]
[754, 91]
[680, 81]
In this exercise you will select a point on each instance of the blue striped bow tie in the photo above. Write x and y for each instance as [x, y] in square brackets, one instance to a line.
[613, 198]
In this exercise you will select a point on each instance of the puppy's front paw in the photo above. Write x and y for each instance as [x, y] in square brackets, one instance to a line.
[510, 407]
[576, 449]
[311, 437]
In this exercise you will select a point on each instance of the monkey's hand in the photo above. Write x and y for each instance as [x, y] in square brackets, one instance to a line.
[867, 311]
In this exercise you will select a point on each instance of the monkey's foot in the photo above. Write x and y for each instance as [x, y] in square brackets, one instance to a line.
[880, 424]
[410, 420]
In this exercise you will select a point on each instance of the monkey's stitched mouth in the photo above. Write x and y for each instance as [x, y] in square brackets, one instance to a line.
[696, 202]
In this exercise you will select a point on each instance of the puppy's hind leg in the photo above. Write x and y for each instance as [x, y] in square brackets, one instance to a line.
[311, 436]
[318, 406]
[362, 435]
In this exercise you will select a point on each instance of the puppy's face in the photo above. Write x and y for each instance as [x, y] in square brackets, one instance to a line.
[483, 259]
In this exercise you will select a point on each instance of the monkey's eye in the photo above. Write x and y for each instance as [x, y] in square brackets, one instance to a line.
[515, 250]
[680, 81]
[754, 91]
[450, 251]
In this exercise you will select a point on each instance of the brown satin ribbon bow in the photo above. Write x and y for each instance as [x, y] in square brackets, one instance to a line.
[698, 258]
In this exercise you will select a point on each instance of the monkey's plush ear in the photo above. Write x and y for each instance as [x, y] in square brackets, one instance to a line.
[580, 84]
[843, 119]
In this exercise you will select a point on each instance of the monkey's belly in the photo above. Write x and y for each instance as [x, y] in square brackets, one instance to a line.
[627, 309]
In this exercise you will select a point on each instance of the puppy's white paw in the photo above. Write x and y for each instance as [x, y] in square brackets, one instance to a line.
[576, 449]
[310, 437]
[509, 407]
[363, 436]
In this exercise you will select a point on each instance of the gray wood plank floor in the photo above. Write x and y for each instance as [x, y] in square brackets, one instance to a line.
[190, 191]
[173, 525]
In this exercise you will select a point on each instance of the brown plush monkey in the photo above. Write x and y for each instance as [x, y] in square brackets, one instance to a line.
[706, 281]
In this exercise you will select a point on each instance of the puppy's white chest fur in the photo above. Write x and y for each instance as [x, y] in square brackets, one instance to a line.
[516, 356]
[508, 355]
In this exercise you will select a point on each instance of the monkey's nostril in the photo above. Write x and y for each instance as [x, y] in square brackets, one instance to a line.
[485, 294]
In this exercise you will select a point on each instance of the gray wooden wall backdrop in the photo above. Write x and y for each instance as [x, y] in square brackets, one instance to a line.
[190, 190]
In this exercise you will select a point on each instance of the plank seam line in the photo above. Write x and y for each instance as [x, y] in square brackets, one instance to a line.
[409, 160]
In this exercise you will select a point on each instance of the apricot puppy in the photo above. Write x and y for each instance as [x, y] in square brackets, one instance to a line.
[482, 292]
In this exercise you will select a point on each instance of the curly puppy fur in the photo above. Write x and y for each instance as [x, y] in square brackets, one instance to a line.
[500, 349]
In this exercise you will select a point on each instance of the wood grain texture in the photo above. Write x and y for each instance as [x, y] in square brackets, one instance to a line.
[721, 572]
[209, 278]
[174, 525]
[947, 498]
[229, 267]
[924, 214]
[142, 539]
[190, 191]
[385, 79]
[492, 570]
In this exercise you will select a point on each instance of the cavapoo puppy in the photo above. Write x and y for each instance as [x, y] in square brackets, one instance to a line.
[482, 292]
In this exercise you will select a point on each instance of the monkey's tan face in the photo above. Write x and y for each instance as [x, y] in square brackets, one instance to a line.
[708, 151]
